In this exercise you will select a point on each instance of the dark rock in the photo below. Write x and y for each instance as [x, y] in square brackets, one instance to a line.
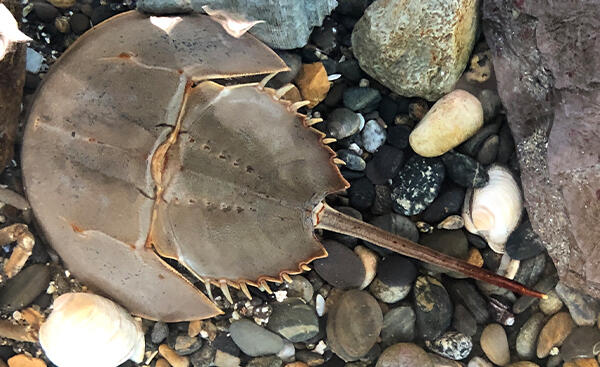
[350, 70]
[506, 147]
[354, 324]
[404, 355]
[294, 62]
[204, 357]
[325, 37]
[395, 275]
[500, 312]
[523, 243]
[528, 335]
[453, 243]
[342, 268]
[353, 8]
[294, 320]
[361, 194]
[343, 123]
[463, 321]
[396, 224]
[476, 241]
[451, 345]
[531, 270]
[433, 307]
[79, 23]
[398, 326]
[383, 200]
[387, 161]
[552, 115]
[334, 97]
[449, 201]
[365, 99]
[489, 150]
[388, 109]
[462, 291]
[583, 309]
[464, 170]
[417, 184]
[254, 340]
[300, 287]
[397, 136]
[546, 284]
[160, 331]
[472, 146]
[583, 342]
[351, 175]
[310, 358]
[225, 344]
[46, 12]
[101, 13]
[21, 290]
[186, 345]
[353, 160]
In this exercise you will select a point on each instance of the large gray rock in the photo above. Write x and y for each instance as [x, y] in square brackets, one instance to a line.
[287, 23]
[416, 47]
[546, 57]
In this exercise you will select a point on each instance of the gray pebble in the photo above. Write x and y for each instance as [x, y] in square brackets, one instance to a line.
[489, 150]
[433, 307]
[388, 293]
[582, 308]
[398, 325]
[353, 161]
[357, 98]
[404, 355]
[300, 287]
[294, 320]
[254, 340]
[186, 345]
[204, 357]
[453, 243]
[294, 62]
[583, 342]
[464, 292]
[463, 321]
[396, 224]
[527, 338]
[24, 288]
[544, 285]
[383, 200]
[267, 361]
[342, 268]
[160, 331]
[343, 123]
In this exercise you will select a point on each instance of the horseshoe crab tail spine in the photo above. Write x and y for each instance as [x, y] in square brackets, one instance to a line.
[325, 217]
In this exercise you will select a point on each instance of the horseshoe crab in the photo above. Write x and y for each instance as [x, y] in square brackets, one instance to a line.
[146, 143]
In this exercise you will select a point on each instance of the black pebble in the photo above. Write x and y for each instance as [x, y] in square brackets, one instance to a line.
[80, 23]
[361, 99]
[450, 201]
[45, 12]
[397, 136]
[433, 307]
[342, 268]
[350, 70]
[353, 160]
[397, 271]
[102, 13]
[361, 193]
[462, 291]
[464, 170]
[387, 161]
[388, 109]
[524, 243]
[417, 184]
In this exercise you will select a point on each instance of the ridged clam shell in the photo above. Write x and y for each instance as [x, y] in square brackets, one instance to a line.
[494, 210]
[88, 330]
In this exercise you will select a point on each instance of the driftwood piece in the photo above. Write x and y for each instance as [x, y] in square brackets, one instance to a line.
[546, 57]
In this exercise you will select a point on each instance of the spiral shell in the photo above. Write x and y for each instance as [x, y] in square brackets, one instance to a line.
[494, 210]
[88, 330]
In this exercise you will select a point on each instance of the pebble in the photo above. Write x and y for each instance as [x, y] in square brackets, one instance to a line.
[22, 360]
[463, 320]
[383, 200]
[62, 3]
[581, 307]
[586, 362]
[369, 260]
[33, 61]
[373, 136]
[388, 109]
[524, 243]
[524, 364]
[361, 193]
[101, 13]
[463, 291]
[475, 257]
[433, 307]
[471, 147]
[452, 120]
[479, 362]
[453, 345]
[62, 24]
[342, 123]
[396, 224]
[354, 324]
[253, 340]
[313, 83]
[172, 357]
[552, 304]
[207, 355]
[287, 352]
[417, 185]
[342, 268]
[361, 99]
[267, 361]
[397, 136]
[546, 284]
[45, 11]
[506, 147]
[464, 170]
[300, 287]
[24, 288]
[398, 326]
[350, 70]
[310, 358]
[394, 279]
[79, 23]
[452, 243]
[452, 222]
[500, 312]
[160, 331]
[223, 359]
[527, 337]
[583, 342]
[530, 270]
[353, 161]
[294, 62]
[387, 161]
[186, 345]
[404, 355]
[418, 109]
[489, 150]
[294, 320]
[334, 97]
[495, 344]
[554, 333]
[448, 202]
[439, 361]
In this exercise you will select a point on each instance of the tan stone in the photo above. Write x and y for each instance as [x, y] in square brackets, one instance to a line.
[161, 362]
[583, 362]
[21, 360]
[523, 364]
[451, 121]
[369, 259]
[475, 257]
[172, 357]
[313, 83]
[554, 333]
[62, 3]
[495, 344]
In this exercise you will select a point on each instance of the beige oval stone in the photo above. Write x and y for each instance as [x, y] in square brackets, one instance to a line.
[404, 355]
[495, 344]
[523, 364]
[554, 333]
[451, 121]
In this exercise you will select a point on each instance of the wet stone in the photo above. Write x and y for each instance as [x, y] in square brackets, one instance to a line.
[373, 136]
[452, 344]
[342, 123]
[396, 224]
[554, 333]
[254, 340]
[581, 307]
[527, 337]
[354, 324]
[160, 331]
[495, 344]
[398, 325]
[489, 150]
[300, 287]
[342, 268]
[417, 184]
[365, 99]
[464, 170]
[471, 147]
[583, 342]
[267, 361]
[448, 202]
[523, 243]
[294, 320]
[361, 193]
[433, 307]
[21, 290]
[45, 11]
[353, 161]
[404, 355]
[452, 243]
[397, 136]
[463, 291]
[387, 161]
[383, 200]
[463, 320]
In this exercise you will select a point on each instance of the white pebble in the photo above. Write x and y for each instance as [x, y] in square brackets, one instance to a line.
[373, 136]
[320, 305]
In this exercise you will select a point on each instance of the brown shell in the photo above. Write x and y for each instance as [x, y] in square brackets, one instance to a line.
[132, 144]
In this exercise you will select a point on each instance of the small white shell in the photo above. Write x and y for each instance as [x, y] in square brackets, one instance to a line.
[88, 330]
[494, 210]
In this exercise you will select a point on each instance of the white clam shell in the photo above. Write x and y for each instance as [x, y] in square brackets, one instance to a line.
[494, 210]
[88, 330]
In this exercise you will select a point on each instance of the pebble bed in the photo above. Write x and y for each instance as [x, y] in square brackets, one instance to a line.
[363, 305]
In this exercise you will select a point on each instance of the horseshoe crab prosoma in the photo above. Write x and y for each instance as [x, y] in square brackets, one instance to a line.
[143, 143]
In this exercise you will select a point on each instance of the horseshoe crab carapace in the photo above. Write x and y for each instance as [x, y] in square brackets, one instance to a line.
[140, 146]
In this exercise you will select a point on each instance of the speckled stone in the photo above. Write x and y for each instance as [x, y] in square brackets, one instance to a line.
[404, 355]
[398, 326]
[373, 136]
[495, 344]
[464, 170]
[417, 184]
[528, 334]
[554, 333]
[453, 345]
[433, 307]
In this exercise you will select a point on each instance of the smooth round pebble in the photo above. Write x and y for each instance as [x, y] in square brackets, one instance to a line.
[524, 243]
[489, 150]
[464, 170]
[404, 355]
[433, 307]
[373, 136]
[395, 276]
[386, 293]
[353, 161]
[581, 307]
[523, 364]
[463, 291]
[453, 345]
[361, 193]
[397, 136]
[79, 23]
[398, 325]
[396, 224]
[357, 98]
[343, 123]
[583, 342]
[463, 321]
[23, 288]
[448, 202]
[300, 287]
[342, 268]
[554, 333]
[369, 260]
[495, 344]
[387, 161]
[551, 305]
[452, 120]
[479, 362]
[453, 243]
[417, 184]
[528, 335]
[294, 320]
[254, 340]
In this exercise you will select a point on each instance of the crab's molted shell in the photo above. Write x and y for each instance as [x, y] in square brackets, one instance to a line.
[123, 155]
